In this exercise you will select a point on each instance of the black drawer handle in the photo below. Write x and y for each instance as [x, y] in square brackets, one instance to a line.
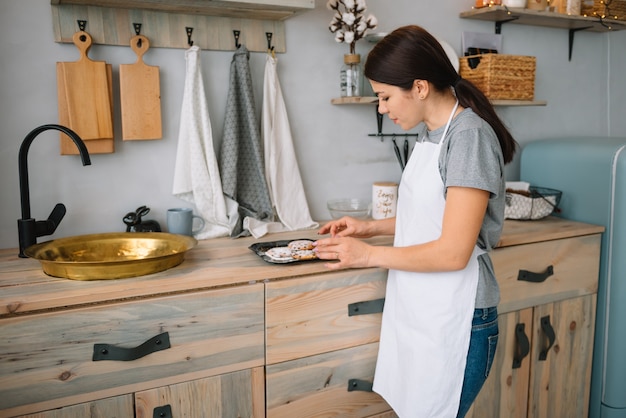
[367, 307]
[164, 411]
[359, 385]
[111, 352]
[529, 276]
[547, 329]
[523, 346]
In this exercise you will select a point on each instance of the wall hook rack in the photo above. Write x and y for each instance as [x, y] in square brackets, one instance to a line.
[236, 34]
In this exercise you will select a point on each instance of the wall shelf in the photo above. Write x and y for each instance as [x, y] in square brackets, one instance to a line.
[374, 100]
[164, 23]
[502, 14]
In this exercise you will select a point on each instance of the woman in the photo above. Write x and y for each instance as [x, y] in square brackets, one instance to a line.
[439, 326]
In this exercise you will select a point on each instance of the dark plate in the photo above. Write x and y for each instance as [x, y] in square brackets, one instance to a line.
[259, 249]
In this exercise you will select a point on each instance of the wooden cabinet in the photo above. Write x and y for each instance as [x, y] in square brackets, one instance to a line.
[322, 334]
[230, 335]
[547, 315]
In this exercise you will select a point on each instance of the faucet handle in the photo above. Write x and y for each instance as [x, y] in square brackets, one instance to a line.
[49, 226]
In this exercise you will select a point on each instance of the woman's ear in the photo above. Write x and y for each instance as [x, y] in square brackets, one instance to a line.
[420, 89]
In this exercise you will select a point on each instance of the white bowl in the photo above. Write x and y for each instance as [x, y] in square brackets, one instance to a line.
[354, 207]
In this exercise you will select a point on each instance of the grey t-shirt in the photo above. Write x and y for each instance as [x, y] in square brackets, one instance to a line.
[472, 157]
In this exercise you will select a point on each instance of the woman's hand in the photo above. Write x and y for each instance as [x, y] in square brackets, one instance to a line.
[351, 227]
[348, 252]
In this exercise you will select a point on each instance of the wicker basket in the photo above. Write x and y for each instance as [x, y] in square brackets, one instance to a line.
[536, 203]
[610, 9]
[501, 77]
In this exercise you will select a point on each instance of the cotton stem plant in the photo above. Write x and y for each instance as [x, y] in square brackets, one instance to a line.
[349, 23]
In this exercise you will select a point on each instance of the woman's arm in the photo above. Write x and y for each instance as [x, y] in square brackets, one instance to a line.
[463, 218]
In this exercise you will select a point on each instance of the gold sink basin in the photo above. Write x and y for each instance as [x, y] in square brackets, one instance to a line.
[114, 255]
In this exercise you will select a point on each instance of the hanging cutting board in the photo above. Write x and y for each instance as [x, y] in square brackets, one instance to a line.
[85, 99]
[140, 95]
[94, 146]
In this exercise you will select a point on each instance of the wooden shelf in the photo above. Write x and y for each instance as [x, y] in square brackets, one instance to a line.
[247, 9]
[355, 100]
[502, 14]
[374, 100]
[574, 23]
[164, 22]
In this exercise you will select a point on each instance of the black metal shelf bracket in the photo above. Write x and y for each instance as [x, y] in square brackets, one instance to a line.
[572, 32]
[499, 23]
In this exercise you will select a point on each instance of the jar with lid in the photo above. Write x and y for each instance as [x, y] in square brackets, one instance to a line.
[351, 76]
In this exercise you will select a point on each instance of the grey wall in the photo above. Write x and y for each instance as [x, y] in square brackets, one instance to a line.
[337, 157]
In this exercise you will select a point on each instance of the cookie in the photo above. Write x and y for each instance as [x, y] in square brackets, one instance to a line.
[279, 253]
[300, 244]
[304, 254]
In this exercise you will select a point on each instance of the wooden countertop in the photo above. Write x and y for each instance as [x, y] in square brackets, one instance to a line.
[217, 262]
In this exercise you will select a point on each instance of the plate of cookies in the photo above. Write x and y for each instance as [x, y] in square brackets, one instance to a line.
[285, 251]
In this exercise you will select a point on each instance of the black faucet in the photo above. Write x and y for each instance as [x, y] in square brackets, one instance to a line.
[28, 228]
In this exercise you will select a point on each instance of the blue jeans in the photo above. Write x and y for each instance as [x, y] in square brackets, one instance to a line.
[482, 349]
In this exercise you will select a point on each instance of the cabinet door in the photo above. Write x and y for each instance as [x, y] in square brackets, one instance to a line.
[505, 392]
[559, 385]
[325, 385]
[233, 395]
[118, 406]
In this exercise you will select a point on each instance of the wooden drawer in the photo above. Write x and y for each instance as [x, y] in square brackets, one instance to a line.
[237, 394]
[46, 359]
[574, 264]
[321, 385]
[310, 315]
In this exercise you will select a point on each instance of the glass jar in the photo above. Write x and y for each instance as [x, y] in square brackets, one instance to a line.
[351, 76]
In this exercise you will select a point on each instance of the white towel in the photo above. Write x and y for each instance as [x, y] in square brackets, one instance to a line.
[196, 174]
[281, 166]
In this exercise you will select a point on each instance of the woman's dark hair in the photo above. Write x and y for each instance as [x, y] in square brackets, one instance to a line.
[411, 53]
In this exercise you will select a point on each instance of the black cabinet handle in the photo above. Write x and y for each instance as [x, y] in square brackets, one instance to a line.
[547, 329]
[111, 352]
[367, 307]
[523, 345]
[164, 411]
[529, 276]
[360, 385]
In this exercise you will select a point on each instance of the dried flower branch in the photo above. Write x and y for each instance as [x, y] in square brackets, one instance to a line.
[348, 23]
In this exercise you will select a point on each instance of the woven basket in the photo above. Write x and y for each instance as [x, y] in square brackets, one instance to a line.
[610, 9]
[536, 203]
[499, 76]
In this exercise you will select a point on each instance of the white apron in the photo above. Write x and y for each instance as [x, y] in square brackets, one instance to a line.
[427, 317]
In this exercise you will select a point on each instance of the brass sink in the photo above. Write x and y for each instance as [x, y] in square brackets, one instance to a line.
[114, 255]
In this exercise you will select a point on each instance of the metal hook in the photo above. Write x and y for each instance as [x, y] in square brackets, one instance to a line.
[236, 34]
[268, 35]
[137, 27]
[189, 32]
[82, 24]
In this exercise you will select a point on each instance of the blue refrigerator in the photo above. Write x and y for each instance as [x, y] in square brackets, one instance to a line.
[591, 173]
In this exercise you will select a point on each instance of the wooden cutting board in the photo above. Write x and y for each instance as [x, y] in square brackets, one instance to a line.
[85, 99]
[94, 146]
[140, 95]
